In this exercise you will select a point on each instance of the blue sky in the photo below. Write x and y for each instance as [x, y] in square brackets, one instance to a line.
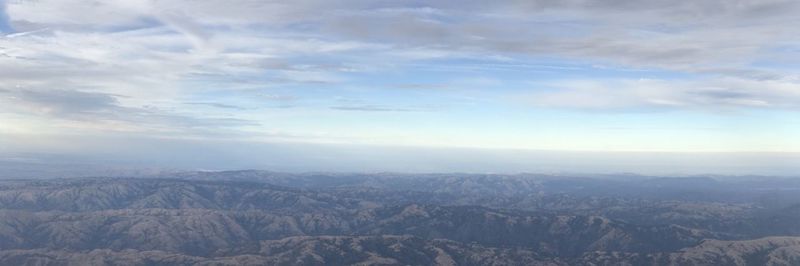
[579, 76]
[4, 25]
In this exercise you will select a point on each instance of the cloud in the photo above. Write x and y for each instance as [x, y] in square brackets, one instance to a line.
[708, 94]
[687, 36]
[362, 105]
[210, 66]
[65, 102]
[676, 35]
[217, 105]
[100, 108]
[279, 97]
[373, 108]
[679, 35]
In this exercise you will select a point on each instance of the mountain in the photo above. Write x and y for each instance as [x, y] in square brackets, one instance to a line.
[258, 218]
[764, 251]
[408, 250]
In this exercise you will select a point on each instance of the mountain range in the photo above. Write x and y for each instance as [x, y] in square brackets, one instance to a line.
[268, 218]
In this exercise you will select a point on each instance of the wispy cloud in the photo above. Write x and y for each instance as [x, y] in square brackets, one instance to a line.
[710, 95]
[228, 44]
[374, 108]
[217, 105]
[223, 66]
[98, 108]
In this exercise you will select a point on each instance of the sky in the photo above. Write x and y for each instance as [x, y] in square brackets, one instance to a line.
[243, 83]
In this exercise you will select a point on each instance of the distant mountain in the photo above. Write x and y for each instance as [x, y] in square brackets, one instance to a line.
[258, 218]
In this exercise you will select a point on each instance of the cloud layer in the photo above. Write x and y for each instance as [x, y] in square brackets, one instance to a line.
[248, 69]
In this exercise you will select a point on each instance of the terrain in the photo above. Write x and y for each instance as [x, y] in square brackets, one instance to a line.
[269, 218]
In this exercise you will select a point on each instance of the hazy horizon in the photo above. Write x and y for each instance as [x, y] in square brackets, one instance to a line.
[190, 155]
